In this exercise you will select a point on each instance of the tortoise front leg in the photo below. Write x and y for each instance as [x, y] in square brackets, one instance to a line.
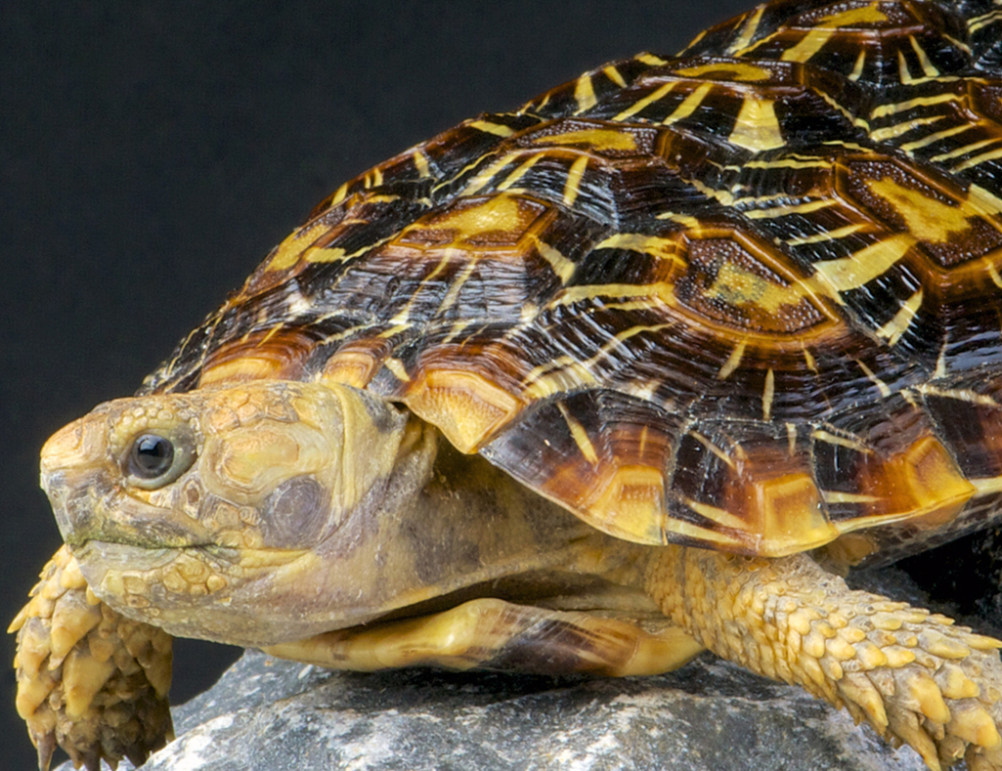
[88, 679]
[493, 634]
[911, 674]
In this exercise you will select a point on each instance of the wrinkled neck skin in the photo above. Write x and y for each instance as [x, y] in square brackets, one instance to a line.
[341, 510]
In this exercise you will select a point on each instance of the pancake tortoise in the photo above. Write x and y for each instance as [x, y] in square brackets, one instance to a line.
[635, 370]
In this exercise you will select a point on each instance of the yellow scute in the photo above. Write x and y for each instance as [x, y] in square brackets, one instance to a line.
[244, 368]
[937, 486]
[787, 512]
[631, 504]
[354, 368]
[465, 406]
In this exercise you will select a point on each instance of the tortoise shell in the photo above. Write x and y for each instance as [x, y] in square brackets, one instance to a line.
[746, 298]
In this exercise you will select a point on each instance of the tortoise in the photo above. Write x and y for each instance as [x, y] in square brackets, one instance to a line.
[639, 369]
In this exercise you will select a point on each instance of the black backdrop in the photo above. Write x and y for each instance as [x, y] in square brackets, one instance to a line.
[152, 153]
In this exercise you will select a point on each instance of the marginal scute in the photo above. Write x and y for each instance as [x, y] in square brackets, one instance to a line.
[352, 366]
[937, 487]
[969, 418]
[466, 406]
[788, 516]
[919, 486]
[603, 455]
[630, 503]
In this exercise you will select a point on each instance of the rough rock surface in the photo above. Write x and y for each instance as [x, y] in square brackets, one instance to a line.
[277, 715]
[267, 713]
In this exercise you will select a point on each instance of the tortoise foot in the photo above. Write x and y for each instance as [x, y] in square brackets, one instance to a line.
[89, 680]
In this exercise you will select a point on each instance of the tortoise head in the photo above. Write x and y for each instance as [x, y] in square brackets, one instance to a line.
[247, 498]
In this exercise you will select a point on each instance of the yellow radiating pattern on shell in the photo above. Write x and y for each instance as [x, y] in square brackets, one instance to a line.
[926, 217]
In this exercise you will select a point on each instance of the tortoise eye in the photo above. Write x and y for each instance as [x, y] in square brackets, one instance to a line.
[154, 460]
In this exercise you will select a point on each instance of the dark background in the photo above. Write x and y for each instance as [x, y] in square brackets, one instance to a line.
[152, 153]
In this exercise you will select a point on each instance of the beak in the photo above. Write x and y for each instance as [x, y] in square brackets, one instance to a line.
[81, 443]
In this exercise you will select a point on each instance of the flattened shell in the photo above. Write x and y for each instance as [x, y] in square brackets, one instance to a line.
[746, 297]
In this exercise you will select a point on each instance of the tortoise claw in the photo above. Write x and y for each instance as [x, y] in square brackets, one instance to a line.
[91, 760]
[46, 746]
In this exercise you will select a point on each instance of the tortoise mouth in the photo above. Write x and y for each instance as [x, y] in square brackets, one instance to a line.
[134, 555]
[133, 575]
[199, 590]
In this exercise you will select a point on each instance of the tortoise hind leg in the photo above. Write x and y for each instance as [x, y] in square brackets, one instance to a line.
[494, 634]
[911, 674]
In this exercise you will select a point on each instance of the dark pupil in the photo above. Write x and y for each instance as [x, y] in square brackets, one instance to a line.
[151, 456]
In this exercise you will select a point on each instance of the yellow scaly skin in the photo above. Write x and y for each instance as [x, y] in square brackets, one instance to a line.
[911, 674]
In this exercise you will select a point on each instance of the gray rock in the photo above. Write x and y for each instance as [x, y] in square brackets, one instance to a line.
[268, 713]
